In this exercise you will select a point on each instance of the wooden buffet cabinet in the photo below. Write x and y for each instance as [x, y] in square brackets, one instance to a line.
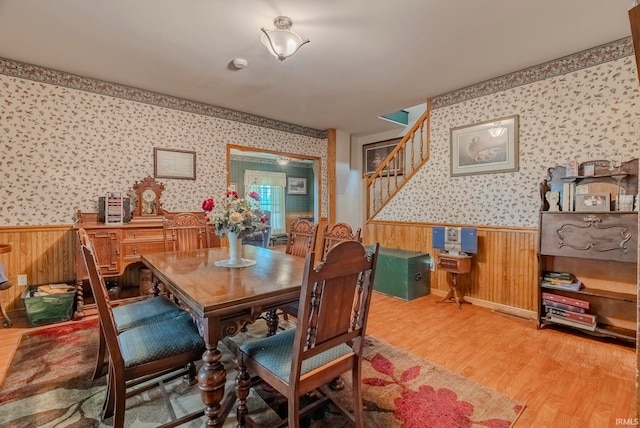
[598, 246]
[119, 246]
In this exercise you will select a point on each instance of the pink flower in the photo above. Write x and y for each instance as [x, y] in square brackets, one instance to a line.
[208, 205]
[263, 219]
[254, 195]
[232, 194]
[429, 407]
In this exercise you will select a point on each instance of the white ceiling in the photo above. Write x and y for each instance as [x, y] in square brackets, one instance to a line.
[366, 57]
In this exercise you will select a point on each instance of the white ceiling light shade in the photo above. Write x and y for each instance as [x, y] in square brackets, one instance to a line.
[282, 161]
[497, 130]
[282, 42]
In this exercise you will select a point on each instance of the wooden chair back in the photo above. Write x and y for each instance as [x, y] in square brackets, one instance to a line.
[334, 306]
[184, 232]
[101, 297]
[339, 232]
[302, 238]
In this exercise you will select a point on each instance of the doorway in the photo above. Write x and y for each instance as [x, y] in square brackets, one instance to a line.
[288, 183]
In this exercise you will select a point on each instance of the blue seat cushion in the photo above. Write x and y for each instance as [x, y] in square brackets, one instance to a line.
[274, 354]
[154, 341]
[149, 310]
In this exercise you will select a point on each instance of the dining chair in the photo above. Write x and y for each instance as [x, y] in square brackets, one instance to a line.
[302, 238]
[328, 339]
[184, 232]
[300, 242]
[142, 353]
[339, 232]
[129, 315]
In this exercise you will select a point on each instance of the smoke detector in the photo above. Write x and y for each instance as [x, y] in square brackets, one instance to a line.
[240, 63]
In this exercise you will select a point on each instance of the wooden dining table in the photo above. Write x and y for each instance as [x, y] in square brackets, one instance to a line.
[225, 300]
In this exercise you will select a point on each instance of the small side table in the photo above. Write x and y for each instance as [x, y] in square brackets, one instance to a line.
[5, 248]
[455, 265]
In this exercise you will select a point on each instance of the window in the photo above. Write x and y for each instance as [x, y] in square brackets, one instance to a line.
[270, 186]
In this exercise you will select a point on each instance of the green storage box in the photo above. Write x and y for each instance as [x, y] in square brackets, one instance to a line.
[402, 273]
[44, 309]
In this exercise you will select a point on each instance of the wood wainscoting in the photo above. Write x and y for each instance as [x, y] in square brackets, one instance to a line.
[46, 254]
[504, 272]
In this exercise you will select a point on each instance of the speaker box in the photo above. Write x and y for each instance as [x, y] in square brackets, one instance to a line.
[127, 210]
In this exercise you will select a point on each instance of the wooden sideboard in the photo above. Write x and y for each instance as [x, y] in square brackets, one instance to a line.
[118, 246]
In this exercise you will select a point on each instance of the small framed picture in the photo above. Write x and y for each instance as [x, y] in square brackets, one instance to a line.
[593, 202]
[373, 154]
[296, 186]
[233, 186]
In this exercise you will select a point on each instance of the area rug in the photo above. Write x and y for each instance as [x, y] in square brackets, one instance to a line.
[48, 385]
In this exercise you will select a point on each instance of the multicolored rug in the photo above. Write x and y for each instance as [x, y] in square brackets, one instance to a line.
[48, 385]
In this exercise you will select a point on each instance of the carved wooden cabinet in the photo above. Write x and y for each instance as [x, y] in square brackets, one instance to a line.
[597, 246]
[119, 246]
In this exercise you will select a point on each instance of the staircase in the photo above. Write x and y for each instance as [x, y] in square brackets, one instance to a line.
[401, 164]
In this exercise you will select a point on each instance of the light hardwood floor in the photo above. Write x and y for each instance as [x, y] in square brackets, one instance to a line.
[564, 380]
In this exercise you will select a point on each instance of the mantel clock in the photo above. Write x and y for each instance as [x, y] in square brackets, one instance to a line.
[148, 194]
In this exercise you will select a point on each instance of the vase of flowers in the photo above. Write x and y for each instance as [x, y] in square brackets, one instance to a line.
[235, 218]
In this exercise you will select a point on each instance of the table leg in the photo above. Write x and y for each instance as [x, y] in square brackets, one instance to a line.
[212, 376]
[272, 320]
[453, 296]
[79, 313]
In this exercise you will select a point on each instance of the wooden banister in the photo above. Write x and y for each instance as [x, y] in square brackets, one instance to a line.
[397, 168]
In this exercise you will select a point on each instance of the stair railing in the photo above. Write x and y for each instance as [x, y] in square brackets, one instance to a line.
[401, 164]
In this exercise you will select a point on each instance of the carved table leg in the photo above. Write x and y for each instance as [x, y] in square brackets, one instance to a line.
[146, 282]
[212, 377]
[272, 322]
[154, 290]
[79, 313]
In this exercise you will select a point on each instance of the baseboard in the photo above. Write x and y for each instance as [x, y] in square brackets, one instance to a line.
[497, 307]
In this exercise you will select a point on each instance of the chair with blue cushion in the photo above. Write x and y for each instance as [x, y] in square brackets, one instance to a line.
[328, 339]
[143, 352]
[131, 314]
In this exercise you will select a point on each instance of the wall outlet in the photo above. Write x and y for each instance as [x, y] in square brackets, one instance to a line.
[22, 280]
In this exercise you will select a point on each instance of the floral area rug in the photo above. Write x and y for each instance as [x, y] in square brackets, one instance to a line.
[48, 385]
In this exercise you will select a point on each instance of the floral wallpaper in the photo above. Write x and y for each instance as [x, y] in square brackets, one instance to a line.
[589, 113]
[62, 148]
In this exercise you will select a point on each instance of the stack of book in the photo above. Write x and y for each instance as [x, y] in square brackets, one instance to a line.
[561, 281]
[568, 311]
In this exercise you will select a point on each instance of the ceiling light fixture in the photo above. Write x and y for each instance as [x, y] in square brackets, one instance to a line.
[282, 161]
[497, 130]
[282, 42]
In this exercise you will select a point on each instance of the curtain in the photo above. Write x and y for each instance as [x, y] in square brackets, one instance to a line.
[270, 186]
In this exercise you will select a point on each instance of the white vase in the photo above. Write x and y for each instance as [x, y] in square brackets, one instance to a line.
[235, 249]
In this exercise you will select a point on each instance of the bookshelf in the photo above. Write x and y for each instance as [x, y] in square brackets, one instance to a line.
[594, 245]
